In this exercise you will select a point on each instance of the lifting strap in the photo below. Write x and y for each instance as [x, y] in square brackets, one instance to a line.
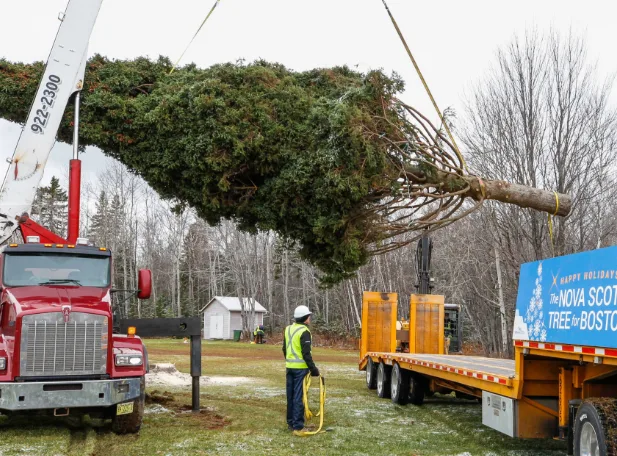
[550, 221]
[428, 91]
[194, 36]
[306, 385]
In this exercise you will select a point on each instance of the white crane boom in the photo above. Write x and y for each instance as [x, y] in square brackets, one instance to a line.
[63, 76]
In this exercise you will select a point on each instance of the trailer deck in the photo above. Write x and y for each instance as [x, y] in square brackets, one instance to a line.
[490, 374]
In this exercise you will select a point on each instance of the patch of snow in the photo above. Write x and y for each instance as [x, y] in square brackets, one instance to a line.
[228, 381]
[268, 392]
[167, 375]
[156, 409]
[183, 444]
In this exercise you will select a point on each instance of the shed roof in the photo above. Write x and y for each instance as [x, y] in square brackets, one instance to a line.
[232, 304]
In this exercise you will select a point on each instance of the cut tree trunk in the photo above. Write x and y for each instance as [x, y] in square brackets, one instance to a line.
[520, 195]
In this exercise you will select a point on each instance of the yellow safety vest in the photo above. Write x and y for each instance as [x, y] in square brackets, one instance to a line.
[294, 347]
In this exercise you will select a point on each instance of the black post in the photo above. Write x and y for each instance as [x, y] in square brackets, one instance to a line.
[195, 369]
[167, 327]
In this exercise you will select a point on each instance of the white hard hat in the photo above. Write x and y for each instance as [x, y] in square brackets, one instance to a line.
[301, 312]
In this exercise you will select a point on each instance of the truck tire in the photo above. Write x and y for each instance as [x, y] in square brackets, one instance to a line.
[593, 433]
[131, 422]
[399, 385]
[371, 374]
[417, 389]
[383, 380]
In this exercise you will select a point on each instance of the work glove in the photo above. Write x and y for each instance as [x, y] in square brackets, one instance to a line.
[315, 372]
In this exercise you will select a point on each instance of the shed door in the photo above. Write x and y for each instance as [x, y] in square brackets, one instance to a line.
[216, 327]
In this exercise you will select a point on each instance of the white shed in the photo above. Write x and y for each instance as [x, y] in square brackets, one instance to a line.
[222, 315]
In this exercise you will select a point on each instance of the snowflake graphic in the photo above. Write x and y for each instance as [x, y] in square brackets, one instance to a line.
[535, 314]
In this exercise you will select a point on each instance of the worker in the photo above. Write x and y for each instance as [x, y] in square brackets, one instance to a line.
[258, 334]
[299, 362]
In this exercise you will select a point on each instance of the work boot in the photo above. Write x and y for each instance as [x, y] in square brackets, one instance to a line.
[302, 432]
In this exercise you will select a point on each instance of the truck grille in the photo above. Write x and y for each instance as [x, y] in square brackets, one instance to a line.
[49, 346]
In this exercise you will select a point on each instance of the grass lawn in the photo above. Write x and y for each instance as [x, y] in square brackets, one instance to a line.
[250, 418]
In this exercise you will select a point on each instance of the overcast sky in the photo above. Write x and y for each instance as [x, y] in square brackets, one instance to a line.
[453, 41]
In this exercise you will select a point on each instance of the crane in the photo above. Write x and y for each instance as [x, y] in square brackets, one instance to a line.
[59, 351]
[63, 77]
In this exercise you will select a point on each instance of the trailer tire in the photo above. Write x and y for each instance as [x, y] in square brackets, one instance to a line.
[383, 380]
[371, 374]
[417, 389]
[399, 385]
[131, 423]
[593, 433]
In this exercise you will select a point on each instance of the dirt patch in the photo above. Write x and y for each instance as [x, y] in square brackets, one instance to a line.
[207, 417]
[158, 397]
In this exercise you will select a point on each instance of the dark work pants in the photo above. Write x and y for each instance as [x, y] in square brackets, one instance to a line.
[295, 407]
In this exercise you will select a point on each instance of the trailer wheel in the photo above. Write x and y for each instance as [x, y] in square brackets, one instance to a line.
[417, 389]
[383, 380]
[371, 374]
[593, 433]
[399, 385]
[131, 423]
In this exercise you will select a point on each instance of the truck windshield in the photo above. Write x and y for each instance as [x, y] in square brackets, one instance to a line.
[46, 269]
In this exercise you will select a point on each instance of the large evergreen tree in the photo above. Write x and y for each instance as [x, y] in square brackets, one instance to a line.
[50, 207]
[329, 158]
[100, 229]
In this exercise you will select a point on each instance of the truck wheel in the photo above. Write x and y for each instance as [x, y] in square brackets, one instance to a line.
[371, 375]
[593, 433]
[383, 380]
[399, 385]
[417, 388]
[131, 422]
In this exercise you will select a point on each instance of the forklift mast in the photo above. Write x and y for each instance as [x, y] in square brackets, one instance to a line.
[423, 259]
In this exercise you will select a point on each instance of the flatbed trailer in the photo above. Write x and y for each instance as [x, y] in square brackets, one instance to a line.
[562, 382]
[489, 374]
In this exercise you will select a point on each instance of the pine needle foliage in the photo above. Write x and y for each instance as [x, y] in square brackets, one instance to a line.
[329, 159]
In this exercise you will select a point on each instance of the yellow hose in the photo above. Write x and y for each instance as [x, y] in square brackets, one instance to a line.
[306, 385]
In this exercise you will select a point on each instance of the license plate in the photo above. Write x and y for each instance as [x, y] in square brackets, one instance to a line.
[124, 409]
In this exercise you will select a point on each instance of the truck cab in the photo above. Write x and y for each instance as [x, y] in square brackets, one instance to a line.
[57, 351]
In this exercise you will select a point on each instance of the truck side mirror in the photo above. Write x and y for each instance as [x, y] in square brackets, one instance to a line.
[144, 283]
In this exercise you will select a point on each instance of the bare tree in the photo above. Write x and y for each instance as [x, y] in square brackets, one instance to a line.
[541, 119]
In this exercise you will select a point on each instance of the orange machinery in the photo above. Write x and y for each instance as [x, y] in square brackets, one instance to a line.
[565, 388]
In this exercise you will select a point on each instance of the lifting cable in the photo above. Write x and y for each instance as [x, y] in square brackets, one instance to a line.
[306, 385]
[445, 124]
[194, 36]
[443, 121]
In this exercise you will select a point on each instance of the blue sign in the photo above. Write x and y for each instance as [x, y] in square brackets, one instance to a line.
[569, 300]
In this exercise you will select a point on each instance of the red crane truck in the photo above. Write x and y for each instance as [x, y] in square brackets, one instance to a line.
[58, 352]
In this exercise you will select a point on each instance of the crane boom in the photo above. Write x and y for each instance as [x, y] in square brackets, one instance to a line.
[63, 76]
